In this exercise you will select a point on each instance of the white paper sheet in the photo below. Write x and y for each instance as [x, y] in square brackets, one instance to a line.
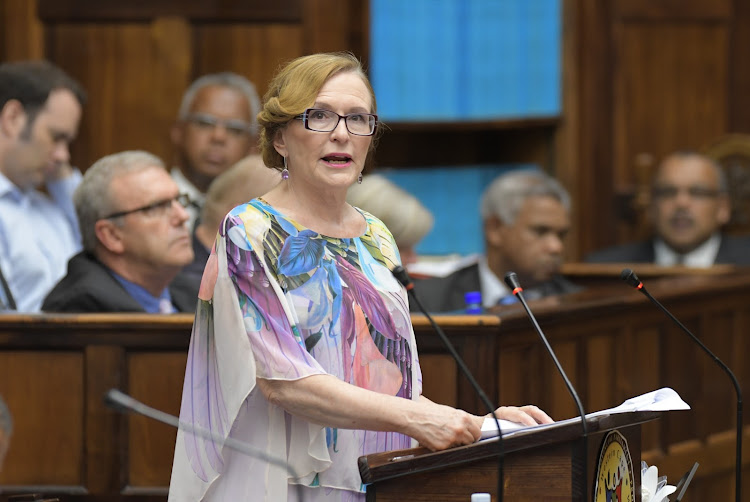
[664, 399]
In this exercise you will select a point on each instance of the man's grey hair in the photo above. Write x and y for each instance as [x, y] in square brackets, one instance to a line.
[6, 419]
[507, 193]
[92, 198]
[224, 79]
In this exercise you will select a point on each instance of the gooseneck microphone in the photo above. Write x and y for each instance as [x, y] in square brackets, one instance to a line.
[511, 279]
[122, 402]
[631, 278]
[402, 276]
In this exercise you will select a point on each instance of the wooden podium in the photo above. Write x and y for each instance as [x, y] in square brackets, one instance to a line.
[544, 464]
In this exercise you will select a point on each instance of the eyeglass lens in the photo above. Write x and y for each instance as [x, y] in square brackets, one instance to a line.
[210, 122]
[362, 124]
[157, 208]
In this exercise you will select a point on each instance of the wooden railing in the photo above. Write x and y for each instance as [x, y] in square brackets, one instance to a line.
[54, 370]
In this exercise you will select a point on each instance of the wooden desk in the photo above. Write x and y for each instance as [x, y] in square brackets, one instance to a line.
[593, 274]
[541, 464]
[614, 344]
[54, 370]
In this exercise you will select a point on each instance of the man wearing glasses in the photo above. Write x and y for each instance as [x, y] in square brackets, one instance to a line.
[135, 242]
[40, 109]
[689, 206]
[216, 127]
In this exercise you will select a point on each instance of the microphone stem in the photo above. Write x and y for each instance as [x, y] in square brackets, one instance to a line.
[125, 402]
[738, 391]
[475, 385]
[571, 390]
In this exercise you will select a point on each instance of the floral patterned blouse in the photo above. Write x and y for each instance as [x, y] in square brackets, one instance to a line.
[281, 301]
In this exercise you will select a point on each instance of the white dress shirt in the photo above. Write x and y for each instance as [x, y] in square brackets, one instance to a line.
[701, 257]
[38, 234]
[196, 196]
[493, 289]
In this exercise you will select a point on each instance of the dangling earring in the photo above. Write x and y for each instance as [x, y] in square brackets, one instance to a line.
[359, 180]
[285, 172]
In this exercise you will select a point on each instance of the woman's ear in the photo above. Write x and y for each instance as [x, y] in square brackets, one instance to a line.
[279, 143]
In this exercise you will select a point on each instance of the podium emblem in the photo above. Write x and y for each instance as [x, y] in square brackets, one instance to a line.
[614, 472]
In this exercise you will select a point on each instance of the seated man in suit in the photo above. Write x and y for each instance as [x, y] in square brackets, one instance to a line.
[689, 205]
[132, 219]
[526, 217]
[6, 429]
[247, 179]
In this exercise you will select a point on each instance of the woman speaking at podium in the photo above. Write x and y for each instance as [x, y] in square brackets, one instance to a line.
[302, 345]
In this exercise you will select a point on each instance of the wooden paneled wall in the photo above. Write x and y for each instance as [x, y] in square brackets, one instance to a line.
[640, 79]
[136, 58]
[643, 78]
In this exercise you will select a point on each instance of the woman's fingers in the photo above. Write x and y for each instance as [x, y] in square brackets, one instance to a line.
[526, 415]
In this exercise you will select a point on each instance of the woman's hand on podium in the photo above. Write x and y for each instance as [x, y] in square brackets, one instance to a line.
[526, 415]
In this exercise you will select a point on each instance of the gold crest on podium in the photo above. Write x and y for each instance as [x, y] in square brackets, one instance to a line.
[614, 472]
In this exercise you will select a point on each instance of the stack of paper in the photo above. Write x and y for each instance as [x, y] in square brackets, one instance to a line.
[665, 399]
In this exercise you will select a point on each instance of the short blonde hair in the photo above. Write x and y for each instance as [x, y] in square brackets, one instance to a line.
[295, 88]
[407, 219]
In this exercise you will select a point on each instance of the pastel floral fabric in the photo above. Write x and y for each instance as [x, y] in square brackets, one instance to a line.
[280, 301]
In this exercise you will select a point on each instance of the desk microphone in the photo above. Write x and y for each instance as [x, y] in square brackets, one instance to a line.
[631, 278]
[124, 403]
[402, 276]
[511, 279]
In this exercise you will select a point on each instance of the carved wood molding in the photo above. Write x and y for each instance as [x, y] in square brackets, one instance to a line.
[286, 11]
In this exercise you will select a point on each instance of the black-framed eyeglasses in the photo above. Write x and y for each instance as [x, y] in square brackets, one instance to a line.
[320, 120]
[207, 122]
[158, 208]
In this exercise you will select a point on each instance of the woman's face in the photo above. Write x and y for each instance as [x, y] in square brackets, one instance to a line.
[328, 159]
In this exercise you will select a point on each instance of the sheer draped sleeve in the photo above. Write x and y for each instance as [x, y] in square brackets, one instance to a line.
[279, 301]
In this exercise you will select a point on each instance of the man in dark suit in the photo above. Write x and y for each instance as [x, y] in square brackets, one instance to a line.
[526, 217]
[689, 206]
[132, 219]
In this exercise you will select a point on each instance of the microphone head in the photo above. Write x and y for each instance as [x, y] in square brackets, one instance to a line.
[117, 400]
[401, 276]
[630, 277]
[511, 279]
